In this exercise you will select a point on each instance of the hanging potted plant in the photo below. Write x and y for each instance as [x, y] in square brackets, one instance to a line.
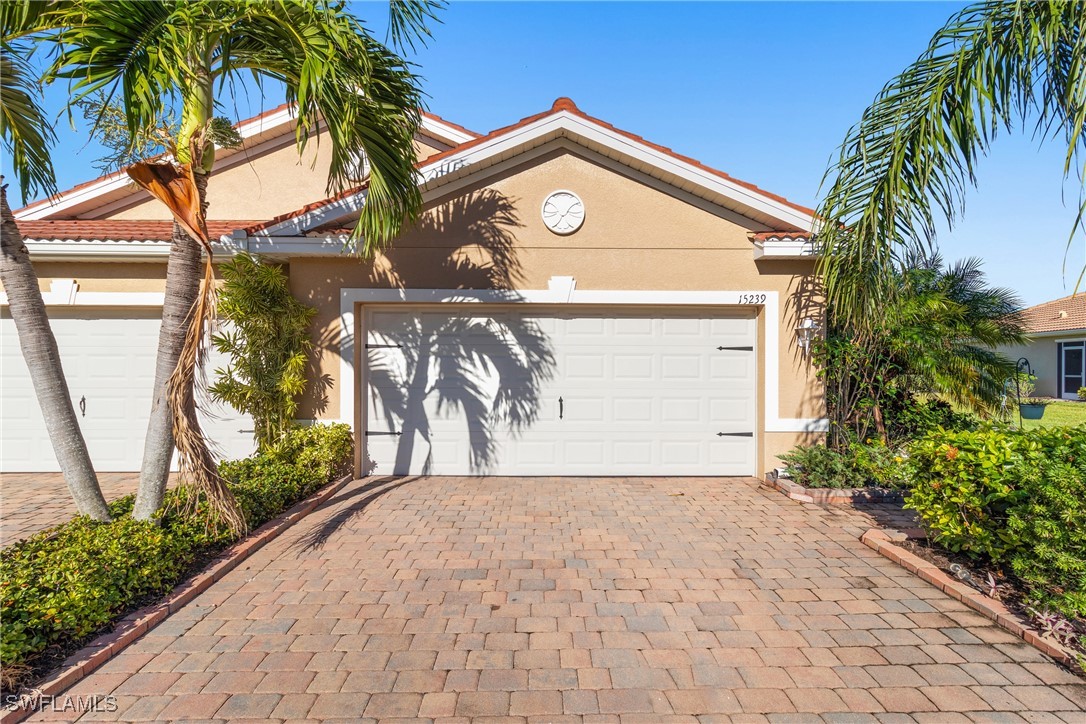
[1031, 408]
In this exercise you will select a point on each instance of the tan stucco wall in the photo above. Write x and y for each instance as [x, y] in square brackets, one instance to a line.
[261, 186]
[105, 277]
[1041, 354]
[634, 238]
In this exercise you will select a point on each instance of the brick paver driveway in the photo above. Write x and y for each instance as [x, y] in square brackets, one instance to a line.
[575, 599]
[30, 502]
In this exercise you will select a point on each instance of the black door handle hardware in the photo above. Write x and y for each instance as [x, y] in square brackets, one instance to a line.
[83, 405]
[561, 408]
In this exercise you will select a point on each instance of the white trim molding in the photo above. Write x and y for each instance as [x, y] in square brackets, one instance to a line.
[784, 249]
[563, 290]
[573, 127]
[275, 120]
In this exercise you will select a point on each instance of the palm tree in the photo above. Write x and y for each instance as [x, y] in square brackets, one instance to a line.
[946, 326]
[27, 136]
[936, 336]
[151, 55]
[907, 165]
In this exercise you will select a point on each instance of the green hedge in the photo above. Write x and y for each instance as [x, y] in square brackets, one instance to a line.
[817, 466]
[1012, 497]
[60, 587]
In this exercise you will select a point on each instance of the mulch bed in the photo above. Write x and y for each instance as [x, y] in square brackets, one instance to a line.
[1003, 586]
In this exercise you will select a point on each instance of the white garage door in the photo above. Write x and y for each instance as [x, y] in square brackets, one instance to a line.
[515, 392]
[109, 360]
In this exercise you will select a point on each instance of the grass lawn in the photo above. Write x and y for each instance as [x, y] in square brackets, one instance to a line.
[1065, 413]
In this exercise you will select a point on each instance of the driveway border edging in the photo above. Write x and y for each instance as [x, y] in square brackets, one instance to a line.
[832, 496]
[136, 624]
[879, 541]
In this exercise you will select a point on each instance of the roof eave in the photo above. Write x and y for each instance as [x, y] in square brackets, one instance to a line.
[475, 156]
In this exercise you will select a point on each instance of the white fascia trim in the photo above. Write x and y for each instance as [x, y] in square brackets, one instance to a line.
[784, 250]
[65, 293]
[329, 245]
[105, 250]
[563, 290]
[443, 131]
[97, 250]
[119, 180]
[560, 124]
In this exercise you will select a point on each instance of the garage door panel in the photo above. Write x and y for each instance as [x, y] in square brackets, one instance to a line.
[109, 363]
[640, 394]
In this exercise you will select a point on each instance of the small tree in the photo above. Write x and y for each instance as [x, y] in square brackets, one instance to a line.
[936, 337]
[268, 344]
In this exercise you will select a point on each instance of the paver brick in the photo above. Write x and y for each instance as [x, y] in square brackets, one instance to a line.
[599, 601]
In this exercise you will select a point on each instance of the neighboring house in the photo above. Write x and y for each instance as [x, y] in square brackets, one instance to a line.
[574, 300]
[1057, 348]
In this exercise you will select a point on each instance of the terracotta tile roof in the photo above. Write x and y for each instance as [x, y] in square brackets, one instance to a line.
[260, 116]
[115, 229]
[561, 104]
[1066, 314]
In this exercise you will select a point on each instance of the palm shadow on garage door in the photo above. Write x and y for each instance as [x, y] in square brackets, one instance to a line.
[426, 372]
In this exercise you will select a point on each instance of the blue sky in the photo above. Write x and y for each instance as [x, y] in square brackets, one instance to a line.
[762, 91]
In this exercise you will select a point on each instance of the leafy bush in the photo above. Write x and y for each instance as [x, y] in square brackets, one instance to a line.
[267, 342]
[62, 586]
[910, 418]
[1014, 497]
[327, 450]
[1050, 521]
[818, 466]
[71, 585]
[964, 488]
[1082, 393]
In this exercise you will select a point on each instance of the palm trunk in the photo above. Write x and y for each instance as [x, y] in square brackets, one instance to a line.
[42, 357]
[182, 288]
[197, 461]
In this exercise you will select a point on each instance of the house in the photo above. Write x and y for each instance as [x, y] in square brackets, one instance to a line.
[575, 300]
[1057, 347]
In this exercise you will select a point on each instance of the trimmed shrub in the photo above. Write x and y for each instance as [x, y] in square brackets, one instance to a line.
[818, 466]
[62, 586]
[1013, 497]
[964, 488]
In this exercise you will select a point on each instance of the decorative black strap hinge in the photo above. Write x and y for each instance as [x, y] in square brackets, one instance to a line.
[384, 346]
[736, 349]
[378, 432]
[735, 434]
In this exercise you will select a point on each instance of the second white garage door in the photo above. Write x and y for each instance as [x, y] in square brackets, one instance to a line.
[109, 360]
[514, 392]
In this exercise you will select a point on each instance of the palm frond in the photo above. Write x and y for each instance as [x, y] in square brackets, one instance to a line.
[26, 133]
[906, 167]
[345, 84]
[408, 21]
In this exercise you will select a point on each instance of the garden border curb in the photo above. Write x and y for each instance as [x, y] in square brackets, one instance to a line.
[879, 541]
[832, 496]
[136, 624]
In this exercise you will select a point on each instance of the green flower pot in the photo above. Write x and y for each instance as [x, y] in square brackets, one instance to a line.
[1032, 412]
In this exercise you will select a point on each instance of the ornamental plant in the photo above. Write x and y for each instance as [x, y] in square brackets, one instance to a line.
[1016, 498]
[266, 337]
